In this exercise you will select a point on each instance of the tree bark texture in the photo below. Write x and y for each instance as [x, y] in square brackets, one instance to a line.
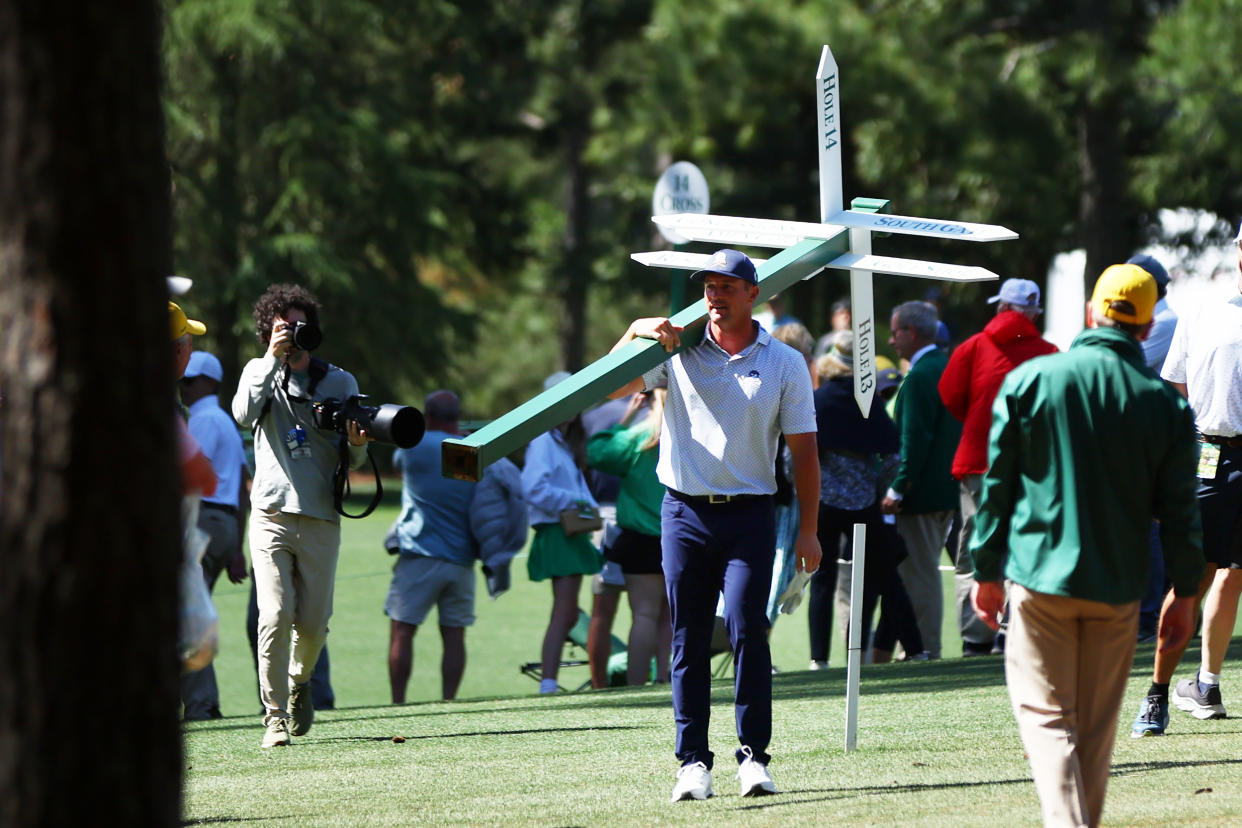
[89, 526]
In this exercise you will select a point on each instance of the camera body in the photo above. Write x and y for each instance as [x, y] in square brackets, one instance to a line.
[401, 425]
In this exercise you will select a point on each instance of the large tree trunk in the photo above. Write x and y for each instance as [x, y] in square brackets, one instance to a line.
[225, 303]
[89, 539]
[1100, 203]
[574, 270]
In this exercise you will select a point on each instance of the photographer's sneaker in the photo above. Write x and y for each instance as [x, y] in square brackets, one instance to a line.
[301, 710]
[753, 776]
[1202, 705]
[694, 781]
[1153, 718]
[277, 732]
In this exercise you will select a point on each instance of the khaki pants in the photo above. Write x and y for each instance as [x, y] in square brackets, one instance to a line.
[294, 559]
[924, 536]
[972, 628]
[1066, 664]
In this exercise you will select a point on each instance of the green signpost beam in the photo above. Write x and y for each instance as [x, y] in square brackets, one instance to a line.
[466, 458]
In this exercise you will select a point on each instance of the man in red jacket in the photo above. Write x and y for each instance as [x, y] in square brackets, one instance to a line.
[968, 386]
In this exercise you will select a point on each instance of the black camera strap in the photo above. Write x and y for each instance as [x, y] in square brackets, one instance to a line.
[318, 370]
[340, 484]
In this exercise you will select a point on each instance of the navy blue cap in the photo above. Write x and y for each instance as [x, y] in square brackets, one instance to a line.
[1152, 266]
[887, 379]
[728, 262]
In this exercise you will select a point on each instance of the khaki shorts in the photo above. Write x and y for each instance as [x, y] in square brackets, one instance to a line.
[420, 583]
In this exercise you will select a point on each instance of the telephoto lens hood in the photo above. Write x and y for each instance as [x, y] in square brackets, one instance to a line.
[401, 425]
[307, 337]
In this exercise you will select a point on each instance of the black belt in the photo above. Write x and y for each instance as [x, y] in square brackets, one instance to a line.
[1227, 442]
[714, 499]
[223, 507]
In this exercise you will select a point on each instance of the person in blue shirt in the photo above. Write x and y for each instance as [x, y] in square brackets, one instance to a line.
[435, 564]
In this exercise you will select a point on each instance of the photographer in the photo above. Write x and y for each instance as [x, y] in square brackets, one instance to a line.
[295, 530]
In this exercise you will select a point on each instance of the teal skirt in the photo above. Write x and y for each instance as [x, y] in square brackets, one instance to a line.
[552, 555]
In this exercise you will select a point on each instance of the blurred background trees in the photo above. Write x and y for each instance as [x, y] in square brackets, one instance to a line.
[462, 184]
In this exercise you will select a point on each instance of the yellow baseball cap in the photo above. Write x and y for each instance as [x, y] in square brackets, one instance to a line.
[181, 325]
[1125, 292]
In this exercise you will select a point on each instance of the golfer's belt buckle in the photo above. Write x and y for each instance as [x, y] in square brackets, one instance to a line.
[719, 498]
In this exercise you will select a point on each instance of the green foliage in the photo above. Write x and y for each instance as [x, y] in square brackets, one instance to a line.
[1187, 78]
[463, 183]
[345, 146]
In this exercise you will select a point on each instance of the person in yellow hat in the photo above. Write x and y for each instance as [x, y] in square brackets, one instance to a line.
[197, 474]
[1087, 447]
[184, 330]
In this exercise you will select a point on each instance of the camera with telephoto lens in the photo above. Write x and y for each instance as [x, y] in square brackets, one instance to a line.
[306, 336]
[400, 425]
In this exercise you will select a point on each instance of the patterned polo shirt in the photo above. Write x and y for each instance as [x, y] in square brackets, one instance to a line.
[724, 414]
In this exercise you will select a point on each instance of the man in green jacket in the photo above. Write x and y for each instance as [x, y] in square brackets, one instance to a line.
[925, 494]
[1087, 447]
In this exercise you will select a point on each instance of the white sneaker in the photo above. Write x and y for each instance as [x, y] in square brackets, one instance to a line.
[693, 782]
[818, 665]
[754, 777]
[277, 732]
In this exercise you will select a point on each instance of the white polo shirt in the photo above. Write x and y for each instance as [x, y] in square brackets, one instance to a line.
[725, 412]
[1206, 356]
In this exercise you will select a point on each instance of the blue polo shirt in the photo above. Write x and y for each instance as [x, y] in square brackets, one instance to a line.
[724, 414]
[435, 511]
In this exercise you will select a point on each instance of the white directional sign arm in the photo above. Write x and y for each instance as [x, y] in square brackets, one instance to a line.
[915, 226]
[778, 233]
[863, 314]
[677, 260]
[828, 107]
[916, 268]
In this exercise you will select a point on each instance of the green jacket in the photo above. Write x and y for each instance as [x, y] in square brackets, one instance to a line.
[617, 450]
[1086, 448]
[929, 438]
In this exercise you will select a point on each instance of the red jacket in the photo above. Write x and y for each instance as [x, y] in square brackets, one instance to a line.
[973, 376]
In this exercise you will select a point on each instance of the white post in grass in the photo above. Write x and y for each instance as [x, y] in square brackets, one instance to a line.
[854, 652]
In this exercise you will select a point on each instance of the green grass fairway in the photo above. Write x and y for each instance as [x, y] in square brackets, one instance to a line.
[937, 746]
[937, 741]
[507, 633]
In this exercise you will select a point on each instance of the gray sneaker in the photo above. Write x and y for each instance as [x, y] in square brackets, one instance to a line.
[301, 710]
[1202, 705]
[277, 732]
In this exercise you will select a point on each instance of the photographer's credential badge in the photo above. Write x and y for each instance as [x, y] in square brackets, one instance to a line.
[295, 441]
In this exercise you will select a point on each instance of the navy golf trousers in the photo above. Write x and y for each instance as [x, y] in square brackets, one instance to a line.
[708, 548]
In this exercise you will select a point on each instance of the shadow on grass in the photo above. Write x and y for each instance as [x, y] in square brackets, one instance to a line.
[248, 721]
[913, 677]
[226, 820]
[809, 795]
[475, 733]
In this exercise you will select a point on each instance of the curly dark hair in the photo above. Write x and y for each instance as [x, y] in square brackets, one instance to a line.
[275, 301]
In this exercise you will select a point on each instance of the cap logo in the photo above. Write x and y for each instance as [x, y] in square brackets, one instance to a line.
[720, 260]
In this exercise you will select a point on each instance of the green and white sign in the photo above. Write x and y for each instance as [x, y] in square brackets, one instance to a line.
[680, 189]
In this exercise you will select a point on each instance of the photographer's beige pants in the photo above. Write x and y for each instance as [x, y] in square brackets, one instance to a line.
[1066, 664]
[294, 560]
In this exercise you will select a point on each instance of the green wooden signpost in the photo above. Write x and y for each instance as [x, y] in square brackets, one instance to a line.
[466, 458]
[841, 240]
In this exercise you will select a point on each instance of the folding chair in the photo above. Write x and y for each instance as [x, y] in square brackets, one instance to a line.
[577, 641]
